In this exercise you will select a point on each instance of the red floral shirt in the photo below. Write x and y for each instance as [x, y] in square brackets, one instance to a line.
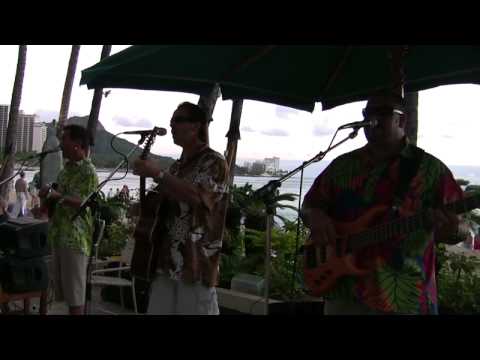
[403, 276]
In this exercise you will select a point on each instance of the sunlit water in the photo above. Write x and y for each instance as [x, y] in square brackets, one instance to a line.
[291, 185]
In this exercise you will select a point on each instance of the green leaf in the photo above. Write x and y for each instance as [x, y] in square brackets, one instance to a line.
[400, 288]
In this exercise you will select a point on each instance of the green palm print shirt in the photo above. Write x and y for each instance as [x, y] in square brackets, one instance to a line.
[76, 179]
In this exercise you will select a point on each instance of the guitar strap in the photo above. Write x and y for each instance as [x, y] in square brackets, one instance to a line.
[408, 168]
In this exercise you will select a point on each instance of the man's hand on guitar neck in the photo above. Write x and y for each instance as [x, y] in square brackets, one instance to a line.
[321, 227]
[146, 168]
[449, 228]
[173, 187]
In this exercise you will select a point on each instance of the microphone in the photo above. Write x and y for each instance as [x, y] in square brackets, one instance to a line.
[157, 130]
[359, 124]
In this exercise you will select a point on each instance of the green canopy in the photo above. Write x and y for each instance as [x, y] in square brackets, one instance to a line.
[294, 76]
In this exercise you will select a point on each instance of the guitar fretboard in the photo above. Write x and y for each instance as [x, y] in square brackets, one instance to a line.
[406, 225]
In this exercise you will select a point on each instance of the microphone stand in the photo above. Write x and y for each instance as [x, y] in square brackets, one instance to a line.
[267, 194]
[92, 202]
[41, 155]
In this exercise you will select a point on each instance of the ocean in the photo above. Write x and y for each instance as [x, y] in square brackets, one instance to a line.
[291, 185]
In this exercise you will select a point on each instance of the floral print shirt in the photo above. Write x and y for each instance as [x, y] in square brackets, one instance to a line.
[75, 179]
[190, 251]
[403, 276]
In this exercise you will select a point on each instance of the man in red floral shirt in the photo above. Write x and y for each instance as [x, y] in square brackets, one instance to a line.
[401, 276]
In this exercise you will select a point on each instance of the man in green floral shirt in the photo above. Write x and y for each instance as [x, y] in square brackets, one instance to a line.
[401, 269]
[71, 240]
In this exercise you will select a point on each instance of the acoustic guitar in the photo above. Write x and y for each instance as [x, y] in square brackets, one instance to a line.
[146, 233]
[325, 265]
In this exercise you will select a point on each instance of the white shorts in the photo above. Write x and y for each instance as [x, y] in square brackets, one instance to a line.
[171, 297]
[70, 274]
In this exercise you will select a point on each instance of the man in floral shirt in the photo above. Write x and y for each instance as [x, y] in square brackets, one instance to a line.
[193, 219]
[71, 240]
[401, 279]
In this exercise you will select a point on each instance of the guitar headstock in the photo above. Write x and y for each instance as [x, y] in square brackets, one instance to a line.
[148, 144]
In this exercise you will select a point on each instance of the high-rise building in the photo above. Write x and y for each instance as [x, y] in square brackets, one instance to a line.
[39, 136]
[272, 165]
[24, 132]
[3, 124]
[24, 140]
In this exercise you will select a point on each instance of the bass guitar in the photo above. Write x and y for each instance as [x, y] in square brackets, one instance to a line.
[324, 265]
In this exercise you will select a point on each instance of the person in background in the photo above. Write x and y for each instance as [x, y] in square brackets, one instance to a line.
[468, 243]
[124, 194]
[476, 242]
[33, 191]
[3, 211]
[21, 191]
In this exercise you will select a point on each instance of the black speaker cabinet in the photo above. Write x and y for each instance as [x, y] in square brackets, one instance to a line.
[25, 238]
[23, 275]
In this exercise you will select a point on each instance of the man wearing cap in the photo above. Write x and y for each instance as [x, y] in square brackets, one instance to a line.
[194, 191]
[391, 178]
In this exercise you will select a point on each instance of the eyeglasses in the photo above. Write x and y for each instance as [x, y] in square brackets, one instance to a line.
[380, 112]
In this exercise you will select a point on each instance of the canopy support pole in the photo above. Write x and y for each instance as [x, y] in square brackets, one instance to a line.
[233, 136]
[208, 104]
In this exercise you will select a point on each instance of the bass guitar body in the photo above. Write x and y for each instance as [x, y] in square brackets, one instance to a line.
[324, 265]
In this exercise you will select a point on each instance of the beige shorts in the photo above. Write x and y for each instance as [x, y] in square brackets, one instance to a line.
[70, 275]
[170, 297]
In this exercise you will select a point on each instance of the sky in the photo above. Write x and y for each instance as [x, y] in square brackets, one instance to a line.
[448, 116]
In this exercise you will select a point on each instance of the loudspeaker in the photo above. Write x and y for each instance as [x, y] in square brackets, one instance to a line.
[23, 275]
[25, 238]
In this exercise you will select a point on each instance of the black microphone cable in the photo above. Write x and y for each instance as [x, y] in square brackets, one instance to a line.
[122, 155]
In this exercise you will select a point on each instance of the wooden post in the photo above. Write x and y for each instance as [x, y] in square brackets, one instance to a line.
[397, 57]
[96, 102]
[208, 104]
[233, 136]
[411, 130]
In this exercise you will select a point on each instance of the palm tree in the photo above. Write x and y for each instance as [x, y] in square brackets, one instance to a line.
[51, 164]
[96, 102]
[9, 152]
[67, 89]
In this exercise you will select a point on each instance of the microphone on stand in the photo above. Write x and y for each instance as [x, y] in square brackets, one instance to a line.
[359, 124]
[157, 130]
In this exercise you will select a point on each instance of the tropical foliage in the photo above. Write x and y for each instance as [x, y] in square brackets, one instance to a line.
[458, 282]
[117, 226]
[244, 250]
[458, 274]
